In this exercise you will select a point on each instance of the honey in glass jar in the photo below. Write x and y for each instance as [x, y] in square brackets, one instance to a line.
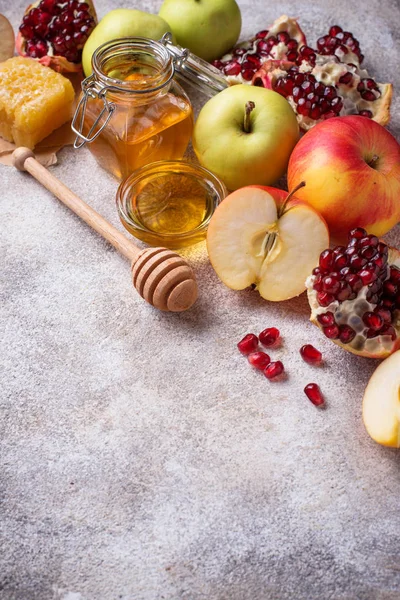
[131, 109]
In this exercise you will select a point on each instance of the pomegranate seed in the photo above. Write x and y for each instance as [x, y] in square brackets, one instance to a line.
[313, 393]
[355, 282]
[292, 45]
[263, 47]
[338, 250]
[337, 105]
[387, 303]
[326, 259]
[330, 92]
[331, 332]
[329, 114]
[347, 78]
[368, 252]
[247, 74]
[365, 113]
[344, 292]
[390, 289]
[367, 276]
[262, 34]
[274, 369]
[297, 93]
[341, 261]
[395, 274]
[311, 354]
[325, 299]
[373, 320]
[259, 360]
[232, 68]
[346, 334]
[368, 95]
[384, 313]
[283, 37]
[315, 113]
[248, 344]
[270, 336]
[292, 56]
[357, 261]
[254, 60]
[334, 30]
[47, 5]
[299, 78]
[326, 318]
[330, 284]
[357, 233]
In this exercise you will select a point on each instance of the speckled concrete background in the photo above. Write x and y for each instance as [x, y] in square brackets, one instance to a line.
[141, 458]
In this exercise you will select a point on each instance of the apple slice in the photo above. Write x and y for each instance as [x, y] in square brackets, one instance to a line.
[262, 236]
[381, 403]
[7, 39]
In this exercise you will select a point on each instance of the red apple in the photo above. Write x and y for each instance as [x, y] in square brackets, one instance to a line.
[259, 235]
[351, 167]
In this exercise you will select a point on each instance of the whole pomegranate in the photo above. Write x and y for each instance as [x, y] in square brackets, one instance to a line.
[354, 295]
[318, 83]
[54, 32]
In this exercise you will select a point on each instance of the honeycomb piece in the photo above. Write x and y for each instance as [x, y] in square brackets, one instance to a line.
[34, 101]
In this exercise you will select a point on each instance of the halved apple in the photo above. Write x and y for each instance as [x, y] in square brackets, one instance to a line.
[262, 236]
[381, 403]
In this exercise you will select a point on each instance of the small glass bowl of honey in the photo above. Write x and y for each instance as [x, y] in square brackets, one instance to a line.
[169, 203]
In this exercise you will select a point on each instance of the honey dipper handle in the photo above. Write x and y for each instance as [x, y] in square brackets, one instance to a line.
[24, 160]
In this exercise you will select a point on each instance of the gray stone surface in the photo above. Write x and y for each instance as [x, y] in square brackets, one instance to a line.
[141, 458]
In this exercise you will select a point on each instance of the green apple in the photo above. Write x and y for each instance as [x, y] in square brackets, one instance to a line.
[119, 23]
[245, 136]
[209, 28]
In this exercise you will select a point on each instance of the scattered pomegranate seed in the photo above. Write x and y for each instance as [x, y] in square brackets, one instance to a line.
[313, 393]
[248, 344]
[310, 354]
[270, 336]
[259, 360]
[274, 369]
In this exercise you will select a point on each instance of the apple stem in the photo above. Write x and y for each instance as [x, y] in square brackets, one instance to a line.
[250, 106]
[373, 161]
[289, 196]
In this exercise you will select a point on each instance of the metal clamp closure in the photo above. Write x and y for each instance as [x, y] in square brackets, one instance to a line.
[91, 89]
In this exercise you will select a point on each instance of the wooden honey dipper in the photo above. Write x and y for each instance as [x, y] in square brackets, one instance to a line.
[160, 276]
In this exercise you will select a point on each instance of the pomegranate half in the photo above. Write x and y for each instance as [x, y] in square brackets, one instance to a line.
[318, 83]
[54, 32]
[354, 295]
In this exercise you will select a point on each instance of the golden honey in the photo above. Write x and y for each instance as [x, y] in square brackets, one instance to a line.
[169, 203]
[150, 116]
[139, 135]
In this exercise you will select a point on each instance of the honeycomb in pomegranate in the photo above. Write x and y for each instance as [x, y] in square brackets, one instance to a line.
[34, 101]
